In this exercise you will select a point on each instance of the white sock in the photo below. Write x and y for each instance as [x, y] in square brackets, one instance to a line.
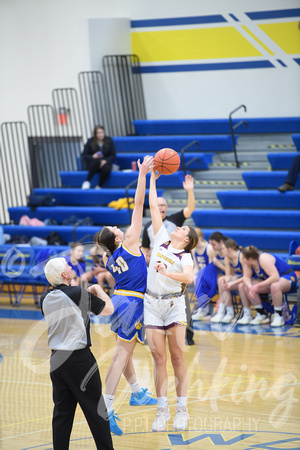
[221, 308]
[247, 312]
[229, 310]
[181, 401]
[109, 400]
[135, 387]
[162, 401]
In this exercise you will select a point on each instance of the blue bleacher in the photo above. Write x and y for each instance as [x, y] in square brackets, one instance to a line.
[266, 180]
[99, 214]
[65, 231]
[89, 197]
[280, 161]
[120, 179]
[296, 139]
[124, 160]
[259, 199]
[217, 126]
[244, 218]
[143, 144]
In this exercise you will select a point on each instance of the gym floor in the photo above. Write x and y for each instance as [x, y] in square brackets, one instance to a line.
[243, 392]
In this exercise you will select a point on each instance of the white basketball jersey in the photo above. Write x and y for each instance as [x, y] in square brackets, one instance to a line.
[174, 259]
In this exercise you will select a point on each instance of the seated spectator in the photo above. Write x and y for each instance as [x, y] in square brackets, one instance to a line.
[98, 157]
[202, 255]
[76, 261]
[207, 278]
[217, 240]
[264, 273]
[292, 176]
[99, 274]
[229, 282]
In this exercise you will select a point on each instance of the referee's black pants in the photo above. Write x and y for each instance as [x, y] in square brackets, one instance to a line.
[76, 379]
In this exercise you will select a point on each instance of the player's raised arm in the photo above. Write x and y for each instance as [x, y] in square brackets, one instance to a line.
[134, 231]
[155, 214]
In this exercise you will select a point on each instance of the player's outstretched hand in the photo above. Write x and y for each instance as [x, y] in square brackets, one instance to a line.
[146, 165]
[188, 183]
[154, 173]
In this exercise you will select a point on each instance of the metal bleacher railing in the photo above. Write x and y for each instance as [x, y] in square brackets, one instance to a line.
[56, 132]
[15, 169]
[124, 92]
[233, 128]
[94, 103]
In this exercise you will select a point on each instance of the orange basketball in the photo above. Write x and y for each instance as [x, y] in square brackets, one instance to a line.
[297, 251]
[166, 161]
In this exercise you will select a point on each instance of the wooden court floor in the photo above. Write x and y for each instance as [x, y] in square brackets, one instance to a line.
[244, 388]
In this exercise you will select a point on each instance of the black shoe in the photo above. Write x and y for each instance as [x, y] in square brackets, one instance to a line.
[285, 187]
[297, 324]
[189, 342]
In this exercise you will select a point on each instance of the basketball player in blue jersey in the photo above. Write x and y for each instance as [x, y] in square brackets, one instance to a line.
[264, 273]
[127, 264]
[202, 255]
[229, 282]
[170, 269]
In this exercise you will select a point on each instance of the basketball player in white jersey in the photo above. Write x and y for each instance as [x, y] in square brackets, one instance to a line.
[170, 269]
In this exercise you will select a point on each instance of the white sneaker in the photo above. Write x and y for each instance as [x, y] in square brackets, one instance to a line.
[201, 314]
[161, 419]
[217, 318]
[181, 418]
[86, 185]
[198, 314]
[245, 320]
[277, 321]
[259, 319]
[228, 318]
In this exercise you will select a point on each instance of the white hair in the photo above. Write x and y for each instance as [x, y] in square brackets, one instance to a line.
[54, 269]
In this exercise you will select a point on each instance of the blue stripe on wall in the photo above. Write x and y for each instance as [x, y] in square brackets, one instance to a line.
[211, 66]
[234, 17]
[282, 63]
[275, 14]
[177, 21]
[297, 60]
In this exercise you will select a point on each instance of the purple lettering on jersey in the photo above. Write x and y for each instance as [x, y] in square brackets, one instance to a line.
[179, 255]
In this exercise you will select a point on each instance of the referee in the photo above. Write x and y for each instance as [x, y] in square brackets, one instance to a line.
[73, 369]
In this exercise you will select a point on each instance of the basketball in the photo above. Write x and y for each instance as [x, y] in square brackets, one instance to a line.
[166, 161]
[297, 251]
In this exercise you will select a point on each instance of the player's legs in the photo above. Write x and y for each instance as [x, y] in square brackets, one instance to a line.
[261, 314]
[277, 289]
[176, 336]
[123, 352]
[157, 343]
[176, 346]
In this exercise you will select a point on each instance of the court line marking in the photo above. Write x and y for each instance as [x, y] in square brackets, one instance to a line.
[197, 431]
[151, 409]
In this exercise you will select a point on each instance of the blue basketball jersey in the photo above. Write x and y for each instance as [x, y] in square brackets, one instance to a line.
[78, 269]
[128, 269]
[238, 269]
[202, 258]
[282, 267]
